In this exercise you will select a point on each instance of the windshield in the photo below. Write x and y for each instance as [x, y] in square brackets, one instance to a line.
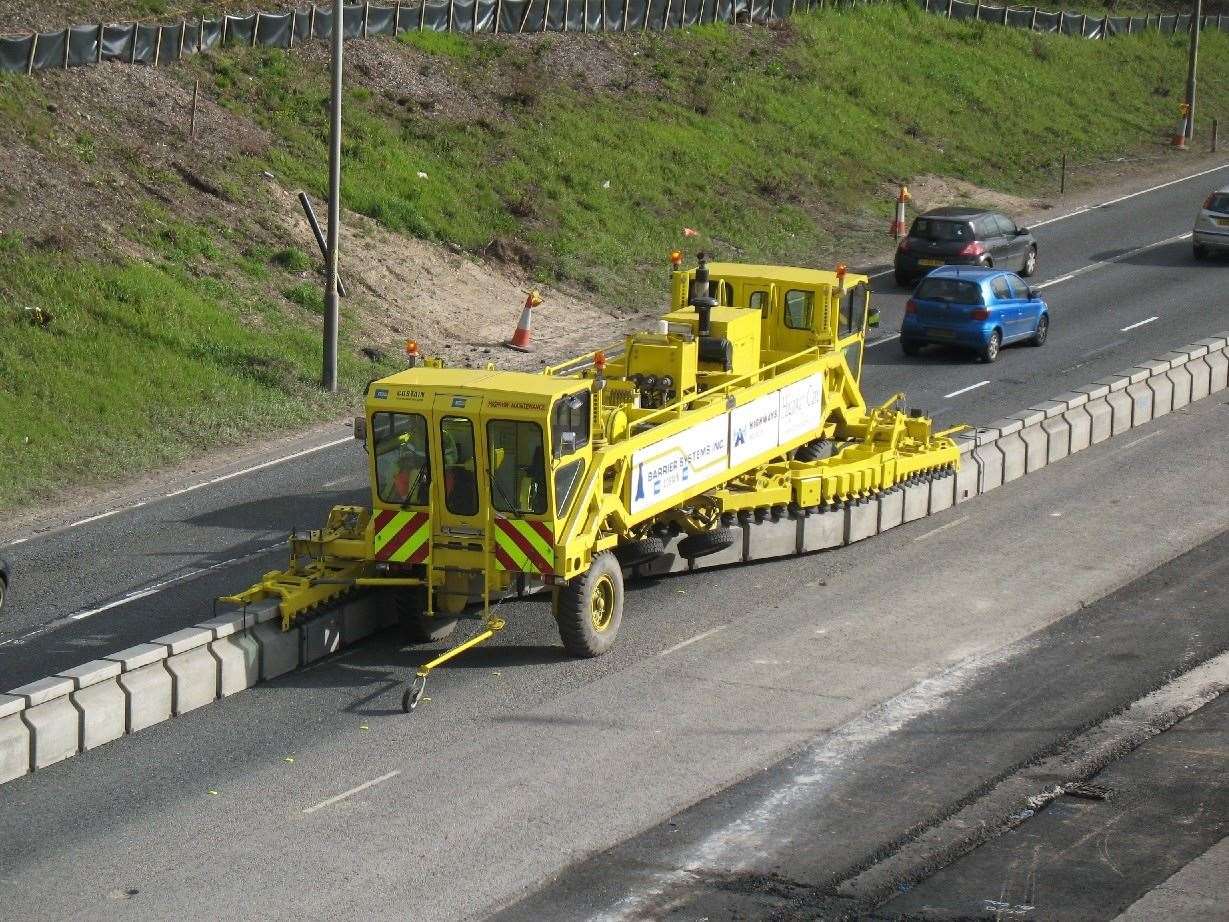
[402, 474]
[950, 291]
[932, 229]
[1219, 202]
[518, 467]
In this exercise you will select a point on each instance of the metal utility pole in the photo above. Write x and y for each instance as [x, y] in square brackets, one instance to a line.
[1193, 62]
[329, 378]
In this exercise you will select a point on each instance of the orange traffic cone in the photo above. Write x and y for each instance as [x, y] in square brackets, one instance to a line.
[899, 228]
[1179, 138]
[520, 338]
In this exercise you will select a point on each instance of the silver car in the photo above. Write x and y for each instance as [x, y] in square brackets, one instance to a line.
[1211, 230]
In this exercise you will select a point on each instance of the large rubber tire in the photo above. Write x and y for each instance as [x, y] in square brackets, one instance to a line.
[814, 450]
[910, 347]
[990, 353]
[634, 553]
[416, 625]
[1043, 330]
[903, 279]
[1030, 262]
[707, 542]
[590, 608]
[1199, 252]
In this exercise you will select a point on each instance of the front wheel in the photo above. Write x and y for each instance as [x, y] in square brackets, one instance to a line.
[910, 347]
[1042, 331]
[416, 625]
[589, 608]
[1030, 262]
[990, 351]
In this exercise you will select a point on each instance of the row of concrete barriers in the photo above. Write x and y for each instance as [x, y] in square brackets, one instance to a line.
[47, 721]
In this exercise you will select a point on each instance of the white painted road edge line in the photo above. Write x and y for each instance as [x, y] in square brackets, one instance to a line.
[1140, 324]
[1114, 259]
[883, 339]
[934, 531]
[689, 641]
[1123, 198]
[350, 793]
[256, 467]
[965, 390]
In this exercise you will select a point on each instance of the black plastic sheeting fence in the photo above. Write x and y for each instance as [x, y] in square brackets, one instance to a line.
[1067, 23]
[160, 44]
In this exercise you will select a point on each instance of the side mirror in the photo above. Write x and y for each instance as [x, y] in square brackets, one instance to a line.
[1033, 294]
[360, 429]
[1021, 231]
[566, 444]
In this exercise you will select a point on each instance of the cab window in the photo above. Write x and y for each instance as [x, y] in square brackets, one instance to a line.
[460, 469]
[799, 309]
[570, 423]
[566, 479]
[1018, 289]
[758, 301]
[399, 441]
[518, 468]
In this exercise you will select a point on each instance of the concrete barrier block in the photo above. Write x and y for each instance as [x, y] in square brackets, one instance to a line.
[917, 501]
[1005, 426]
[1214, 343]
[823, 530]
[55, 731]
[967, 479]
[861, 520]
[1141, 402]
[1177, 358]
[892, 508]
[195, 677]
[669, 562]
[1072, 399]
[92, 673]
[1120, 408]
[104, 713]
[1094, 391]
[1037, 448]
[358, 620]
[14, 745]
[1058, 438]
[942, 494]
[149, 691]
[1156, 367]
[1115, 383]
[989, 460]
[188, 639]
[1194, 351]
[1051, 408]
[772, 539]
[1218, 362]
[44, 690]
[1162, 395]
[321, 636]
[1081, 428]
[1101, 420]
[266, 611]
[225, 625]
[279, 650]
[1015, 457]
[1135, 375]
[735, 553]
[238, 659]
[1029, 417]
[139, 656]
[1201, 376]
[1181, 379]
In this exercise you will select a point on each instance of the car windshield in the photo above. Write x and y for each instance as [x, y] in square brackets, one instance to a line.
[1219, 202]
[951, 291]
[933, 229]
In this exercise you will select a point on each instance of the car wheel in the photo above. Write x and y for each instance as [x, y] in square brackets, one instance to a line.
[910, 347]
[903, 279]
[589, 608]
[1042, 331]
[3, 588]
[990, 352]
[1201, 252]
[1030, 262]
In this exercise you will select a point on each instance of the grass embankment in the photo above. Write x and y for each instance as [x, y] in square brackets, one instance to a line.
[776, 143]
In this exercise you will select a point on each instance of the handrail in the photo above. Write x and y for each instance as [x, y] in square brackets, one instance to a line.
[581, 362]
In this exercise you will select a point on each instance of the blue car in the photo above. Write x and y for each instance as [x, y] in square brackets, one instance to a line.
[978, 309]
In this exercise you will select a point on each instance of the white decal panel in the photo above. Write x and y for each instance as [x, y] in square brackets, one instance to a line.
[753, 427]
[672, 465]
[801, 408]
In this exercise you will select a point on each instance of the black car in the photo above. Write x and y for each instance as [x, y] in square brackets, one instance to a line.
[4, 580]
[964, 237]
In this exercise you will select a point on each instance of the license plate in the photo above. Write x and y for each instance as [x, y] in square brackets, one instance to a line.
[1223, 222]
[935, 262]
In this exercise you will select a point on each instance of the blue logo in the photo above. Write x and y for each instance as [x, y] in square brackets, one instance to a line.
[740, 436]
[381, 393]
[458, 403]
[639, 483]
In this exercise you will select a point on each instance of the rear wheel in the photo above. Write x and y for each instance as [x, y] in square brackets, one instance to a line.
[990, 351]
[1201, 252]
[903, 279]
[590, 608]
[814, 450]
[910, 347]
[707, 542]
[416, 625]
[1030, 262]
[633, 553]
[1042, 331]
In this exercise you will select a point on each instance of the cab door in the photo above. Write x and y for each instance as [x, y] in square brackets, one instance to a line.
[457, 454]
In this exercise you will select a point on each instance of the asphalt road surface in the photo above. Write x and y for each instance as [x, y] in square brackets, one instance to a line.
[1121, 284]
[313, 796]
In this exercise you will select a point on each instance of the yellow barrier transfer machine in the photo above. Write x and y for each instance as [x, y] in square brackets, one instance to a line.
[741, 409]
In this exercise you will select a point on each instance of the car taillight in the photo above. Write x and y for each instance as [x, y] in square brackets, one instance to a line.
[903, 246]
[910, 306]
[1207, 202]
[979, 313]
[972, 249]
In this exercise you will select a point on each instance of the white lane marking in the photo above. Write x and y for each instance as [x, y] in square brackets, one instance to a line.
[158, 587]
[690, 641]
[18, 541]
[883, 339]
[1114, 259]
[350, 793]
[256, 467]
[965, 390]
[934, 531]
[105, 515]
[1140, 324]
[1122, 198]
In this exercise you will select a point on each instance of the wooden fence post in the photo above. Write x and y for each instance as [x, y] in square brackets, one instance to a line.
[367, 12]
[158, 46]
[136, 33]
[255, 28]
[625, 4]
[33, 52]
[98, 50]
[196, 89]
[1006, 10]
[67, 45]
